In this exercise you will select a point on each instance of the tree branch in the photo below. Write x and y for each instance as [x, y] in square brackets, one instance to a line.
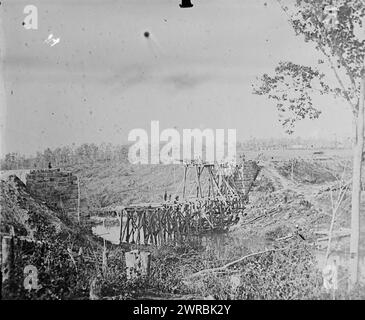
[348, 99]
[352, 80]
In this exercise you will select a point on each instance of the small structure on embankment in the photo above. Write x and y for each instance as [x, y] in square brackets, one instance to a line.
[58, 189]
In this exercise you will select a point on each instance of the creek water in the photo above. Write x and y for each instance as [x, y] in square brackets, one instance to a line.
[221, 244]
[108, 231]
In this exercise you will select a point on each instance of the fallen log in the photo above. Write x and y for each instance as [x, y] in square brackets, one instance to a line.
[252, 220]
[226, 266]
[336, 232]
[156, 296]
[285, 238]
[333, 237]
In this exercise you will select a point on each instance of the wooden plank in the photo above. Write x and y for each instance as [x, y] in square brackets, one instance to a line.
[121, 226]
[184, 182]
[127, 225]
[137, 263]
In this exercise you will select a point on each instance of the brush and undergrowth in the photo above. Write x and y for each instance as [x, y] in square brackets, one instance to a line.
[192, 272]
[187, 271]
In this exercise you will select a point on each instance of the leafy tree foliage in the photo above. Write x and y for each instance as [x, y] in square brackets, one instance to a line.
[294, 86]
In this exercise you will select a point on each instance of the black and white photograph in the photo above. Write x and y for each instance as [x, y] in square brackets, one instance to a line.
[182, 155]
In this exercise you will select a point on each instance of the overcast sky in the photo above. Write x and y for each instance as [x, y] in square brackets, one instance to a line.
[105, 78]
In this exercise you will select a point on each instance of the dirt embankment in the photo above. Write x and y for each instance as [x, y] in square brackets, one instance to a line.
[30, 217]
[18, 206]
[289, 202]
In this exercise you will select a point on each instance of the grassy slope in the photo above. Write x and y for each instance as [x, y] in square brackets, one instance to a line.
[107, 183]
[118, 182]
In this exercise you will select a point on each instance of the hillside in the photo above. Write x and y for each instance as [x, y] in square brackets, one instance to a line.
[107, 183]
[32, 218]
[18, 209]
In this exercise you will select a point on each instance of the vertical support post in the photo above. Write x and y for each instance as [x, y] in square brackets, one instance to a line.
[120, 214]
[145, 236]
[127, 226]
[139, 225]
[78, 200]
[198, 173]
[7, 255]
[184, 183]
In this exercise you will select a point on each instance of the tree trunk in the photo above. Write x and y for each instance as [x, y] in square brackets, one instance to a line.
[356, 190]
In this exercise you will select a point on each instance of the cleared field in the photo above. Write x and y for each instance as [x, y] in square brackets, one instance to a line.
[285, 154]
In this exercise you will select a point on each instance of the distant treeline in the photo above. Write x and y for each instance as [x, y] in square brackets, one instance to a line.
[293, 143]
[66, 156]
[91, 152]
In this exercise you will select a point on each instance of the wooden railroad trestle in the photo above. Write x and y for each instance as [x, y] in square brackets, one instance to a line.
[174, 221]
[217, 205]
